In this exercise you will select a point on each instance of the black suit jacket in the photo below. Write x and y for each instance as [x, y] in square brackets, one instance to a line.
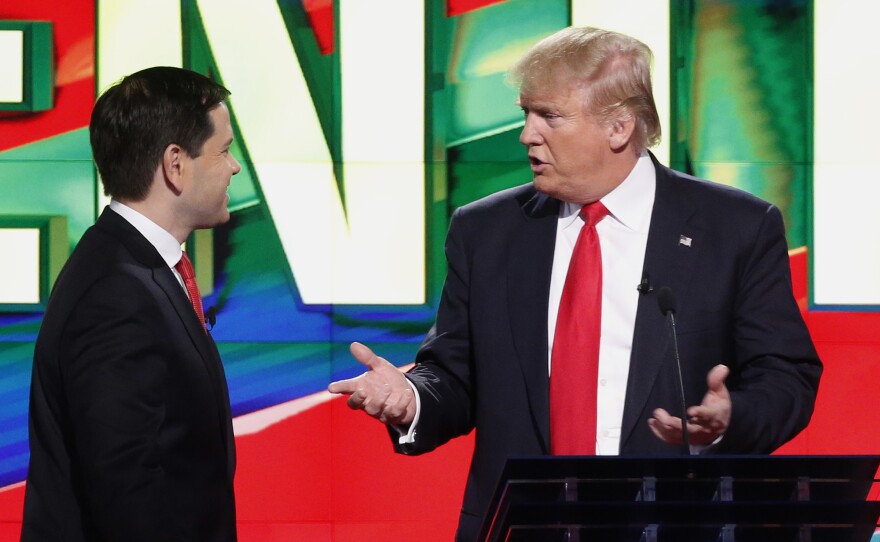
[130, 427]
[484, 363]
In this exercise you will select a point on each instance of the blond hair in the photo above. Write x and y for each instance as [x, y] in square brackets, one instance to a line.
[612, 69]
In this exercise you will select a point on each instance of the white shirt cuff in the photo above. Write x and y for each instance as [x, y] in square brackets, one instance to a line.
[409, 436]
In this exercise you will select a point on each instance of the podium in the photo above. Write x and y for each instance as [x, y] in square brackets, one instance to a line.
[685, 499]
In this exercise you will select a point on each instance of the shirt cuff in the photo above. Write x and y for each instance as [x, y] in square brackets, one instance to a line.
[408, 436]
[697, 449]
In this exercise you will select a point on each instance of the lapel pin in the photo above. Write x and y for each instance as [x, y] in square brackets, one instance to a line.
[684, 240]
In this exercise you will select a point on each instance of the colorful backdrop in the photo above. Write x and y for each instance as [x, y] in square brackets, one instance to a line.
[361, 125]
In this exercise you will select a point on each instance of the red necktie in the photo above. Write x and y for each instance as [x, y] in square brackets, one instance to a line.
[185, 268]
[574, 366]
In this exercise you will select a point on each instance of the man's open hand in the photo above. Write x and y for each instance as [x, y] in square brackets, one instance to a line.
[382, 392]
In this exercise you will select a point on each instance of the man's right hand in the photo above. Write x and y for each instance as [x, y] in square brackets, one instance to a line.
[382, 392]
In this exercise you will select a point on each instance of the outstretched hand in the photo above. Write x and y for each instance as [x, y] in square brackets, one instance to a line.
[706, 422]
[382, 392]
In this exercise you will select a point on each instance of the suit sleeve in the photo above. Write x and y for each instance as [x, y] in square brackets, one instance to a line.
[774, 385]
[443, 373]
[114, 378]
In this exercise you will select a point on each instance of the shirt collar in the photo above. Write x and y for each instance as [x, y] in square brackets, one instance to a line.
[630, 203]
[165, 243]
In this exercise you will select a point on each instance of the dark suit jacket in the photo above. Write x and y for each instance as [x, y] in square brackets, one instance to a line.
[130, 427]
[484, 363]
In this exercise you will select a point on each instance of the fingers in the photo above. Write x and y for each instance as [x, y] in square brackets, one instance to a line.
[666, 427]
[666, 419]
[399, 410]
[712, 416]
[343, 386]
[706, 422]
[372, 400]
[365, 357]
[386, 404]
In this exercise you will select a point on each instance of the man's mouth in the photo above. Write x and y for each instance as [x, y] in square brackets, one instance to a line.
[537, 165]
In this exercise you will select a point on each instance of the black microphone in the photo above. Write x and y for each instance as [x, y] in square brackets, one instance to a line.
[666, 301]
[667, 304]
[210, 317]
[644, 285]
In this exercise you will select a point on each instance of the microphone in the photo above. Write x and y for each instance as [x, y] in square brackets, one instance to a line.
[210, 317]
[667, 303]
[644, 285]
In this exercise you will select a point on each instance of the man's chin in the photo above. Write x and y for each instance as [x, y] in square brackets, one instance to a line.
[544, 186]
[219, 221]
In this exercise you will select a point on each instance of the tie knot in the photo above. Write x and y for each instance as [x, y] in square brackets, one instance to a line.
[592, 213]
[185, 268]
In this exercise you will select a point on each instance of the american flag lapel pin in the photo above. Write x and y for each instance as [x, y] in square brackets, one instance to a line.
[684, 240]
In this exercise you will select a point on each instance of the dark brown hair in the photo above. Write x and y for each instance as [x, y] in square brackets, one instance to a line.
[135, 120]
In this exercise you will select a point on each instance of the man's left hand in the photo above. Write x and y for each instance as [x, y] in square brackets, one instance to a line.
[706, 422]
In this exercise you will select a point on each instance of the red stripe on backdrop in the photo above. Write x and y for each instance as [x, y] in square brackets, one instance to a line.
[330, 474]
[11, 505]
[844, 420]
[74, 34]
[320, 14]
[458, 7]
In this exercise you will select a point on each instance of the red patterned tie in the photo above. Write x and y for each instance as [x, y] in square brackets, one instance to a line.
[185, 268]
[574, 366]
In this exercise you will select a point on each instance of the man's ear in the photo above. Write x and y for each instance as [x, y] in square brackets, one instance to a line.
[621, 132]
[173, 167]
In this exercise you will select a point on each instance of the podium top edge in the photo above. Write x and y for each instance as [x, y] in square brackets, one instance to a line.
[856, 467]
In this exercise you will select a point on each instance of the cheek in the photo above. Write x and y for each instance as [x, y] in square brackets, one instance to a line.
[583, 154]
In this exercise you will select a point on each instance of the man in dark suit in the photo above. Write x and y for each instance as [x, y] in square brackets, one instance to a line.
[508, 350]
[130, 425]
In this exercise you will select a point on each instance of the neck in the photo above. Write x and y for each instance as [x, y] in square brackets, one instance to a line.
[618, 169]
[162, 216]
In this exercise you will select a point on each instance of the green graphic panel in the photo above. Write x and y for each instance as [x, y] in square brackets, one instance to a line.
[52, 177]
[484, 44]
[477, 118]
[743, 106]
[37, 69]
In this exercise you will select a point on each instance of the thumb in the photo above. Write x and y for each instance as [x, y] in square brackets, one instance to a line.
[365, 356]
[717, 376]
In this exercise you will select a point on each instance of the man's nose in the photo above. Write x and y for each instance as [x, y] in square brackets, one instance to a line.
[529, 135]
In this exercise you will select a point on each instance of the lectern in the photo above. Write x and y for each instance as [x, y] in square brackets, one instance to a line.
[685, 499]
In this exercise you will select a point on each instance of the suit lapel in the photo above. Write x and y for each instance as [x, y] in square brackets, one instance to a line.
[530, 262]
[672, 251]
[184, 309]
[203, 343]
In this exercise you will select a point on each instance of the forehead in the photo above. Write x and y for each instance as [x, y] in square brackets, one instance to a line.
[219, 117]
[558, 98]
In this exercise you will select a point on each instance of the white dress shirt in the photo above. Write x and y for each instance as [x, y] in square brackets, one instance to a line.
[165, 243]
[623, 236]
